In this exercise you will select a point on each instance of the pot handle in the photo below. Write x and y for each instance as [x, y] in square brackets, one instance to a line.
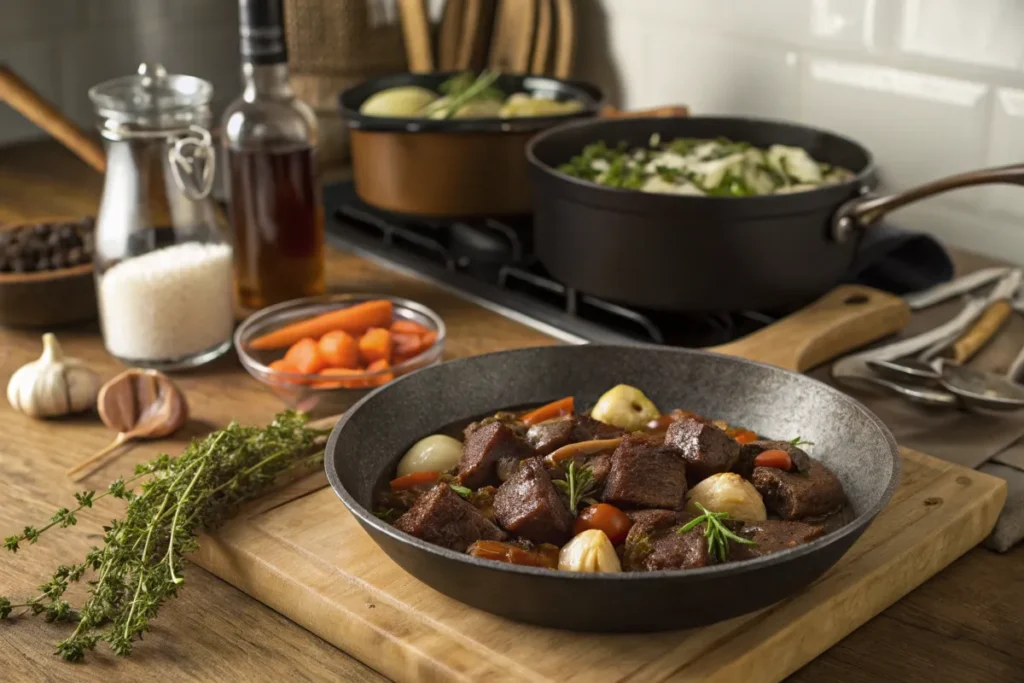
[610, 112]
[864, 211]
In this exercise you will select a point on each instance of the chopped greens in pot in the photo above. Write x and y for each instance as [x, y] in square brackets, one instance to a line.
[715, 168]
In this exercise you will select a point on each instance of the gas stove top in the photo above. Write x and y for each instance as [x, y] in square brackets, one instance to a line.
[491, 263]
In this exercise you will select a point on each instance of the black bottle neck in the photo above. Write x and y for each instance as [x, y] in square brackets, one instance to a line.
[261, 25]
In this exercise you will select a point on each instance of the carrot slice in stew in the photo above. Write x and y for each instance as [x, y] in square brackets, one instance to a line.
[776, 457]
[375, 345]
[305, 356]
[563, 406]
[339, 350]
[355, 320]
[745, 436]
[413, 480]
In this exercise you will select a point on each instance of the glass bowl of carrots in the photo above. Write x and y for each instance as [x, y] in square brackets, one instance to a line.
[322, 354]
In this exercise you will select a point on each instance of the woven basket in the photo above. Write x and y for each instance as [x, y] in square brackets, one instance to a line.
[332, 45]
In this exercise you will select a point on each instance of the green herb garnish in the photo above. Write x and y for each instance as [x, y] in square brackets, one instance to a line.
[459, 93]
[800, 442]
[388, 515]
[577, 485]
[140, 563]
[461, 490]
[717, 534]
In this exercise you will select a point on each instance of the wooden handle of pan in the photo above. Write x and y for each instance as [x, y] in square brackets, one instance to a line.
[32, 106]
[610, 112]
[845, 319]
[416, 31]
[979, 334]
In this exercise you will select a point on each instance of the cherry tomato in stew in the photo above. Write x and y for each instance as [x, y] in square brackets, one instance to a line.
[745, 436]
[776, 457]
[607, 518]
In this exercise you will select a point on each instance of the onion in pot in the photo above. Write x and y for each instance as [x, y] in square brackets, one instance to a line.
[728, 492]
[434, 453]
[626, 407]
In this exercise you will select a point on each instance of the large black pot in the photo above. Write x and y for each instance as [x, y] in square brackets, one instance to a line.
[367, 443]
[687, 253]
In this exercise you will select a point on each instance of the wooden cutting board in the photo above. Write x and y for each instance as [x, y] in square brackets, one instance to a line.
[301, 552]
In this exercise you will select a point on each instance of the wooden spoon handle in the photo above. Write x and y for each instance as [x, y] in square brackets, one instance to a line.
[416, 30]
[845, 319]
[979, 334]
[97, 460]
[32, 106]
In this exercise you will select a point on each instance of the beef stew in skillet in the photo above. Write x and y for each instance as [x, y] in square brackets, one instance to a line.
[621, 488]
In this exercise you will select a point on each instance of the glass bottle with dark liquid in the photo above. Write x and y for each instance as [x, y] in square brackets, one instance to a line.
[275, 206]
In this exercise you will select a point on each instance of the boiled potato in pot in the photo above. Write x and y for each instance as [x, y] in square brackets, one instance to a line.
[730, 493]
[434, 453]
[626, 407]
[404, 101]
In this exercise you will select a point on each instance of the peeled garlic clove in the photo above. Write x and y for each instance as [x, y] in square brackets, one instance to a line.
[730, 493]
[589, 551]
[626, 407]
[53, 385]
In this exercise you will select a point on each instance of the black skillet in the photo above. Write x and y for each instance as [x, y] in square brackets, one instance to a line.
[367, 443]
[686, 253]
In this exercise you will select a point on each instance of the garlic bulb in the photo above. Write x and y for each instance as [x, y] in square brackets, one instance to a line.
[53, 385]
[589, 551]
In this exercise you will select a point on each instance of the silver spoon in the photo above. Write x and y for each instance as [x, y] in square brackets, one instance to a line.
[977, 389]
[906, 370]
[925, 396]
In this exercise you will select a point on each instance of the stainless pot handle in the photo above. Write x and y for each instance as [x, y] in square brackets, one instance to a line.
[863, 211]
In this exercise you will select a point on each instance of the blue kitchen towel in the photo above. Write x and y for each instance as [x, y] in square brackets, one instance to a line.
[899, 261]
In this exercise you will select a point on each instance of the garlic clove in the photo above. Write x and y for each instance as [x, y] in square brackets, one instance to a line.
[53, 385]
[589, 551]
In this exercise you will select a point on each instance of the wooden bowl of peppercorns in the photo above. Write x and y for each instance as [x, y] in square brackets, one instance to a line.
[46, 273]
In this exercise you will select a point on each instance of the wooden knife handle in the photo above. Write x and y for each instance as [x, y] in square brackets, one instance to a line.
[848, 317]
[610, 112]
[979, 334]
[32, 106]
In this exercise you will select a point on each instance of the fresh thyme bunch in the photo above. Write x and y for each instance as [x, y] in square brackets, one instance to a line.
[140, 563]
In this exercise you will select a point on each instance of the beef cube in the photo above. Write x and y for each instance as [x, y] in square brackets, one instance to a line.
[551, 435]
[654, 543]
[796, 495]
[599, 466]
[586, 428]
[646, 475]
[658, 518]
[441, 517]
[528, 505]
[771, 536]
[484, 448]
[745, 464]
[706, 449]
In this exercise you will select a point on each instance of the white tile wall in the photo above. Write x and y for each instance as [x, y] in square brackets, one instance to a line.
[63, 47]
[932, 87]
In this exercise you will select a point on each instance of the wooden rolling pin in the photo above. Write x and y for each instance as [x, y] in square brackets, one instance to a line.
[22, 98]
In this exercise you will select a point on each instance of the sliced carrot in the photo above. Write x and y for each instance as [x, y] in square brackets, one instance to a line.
[776, 457]
[375, 345]
[285, 366]
[409, 327]
[404, 345]
[347, 379]
[383, 378]
[339, 350]
[745, 436]
[355, 320]
[428, 340]
[562, 406]
[305, 356]
[413, 480]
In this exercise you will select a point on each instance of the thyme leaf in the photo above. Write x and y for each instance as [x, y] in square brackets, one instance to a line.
[577, 485]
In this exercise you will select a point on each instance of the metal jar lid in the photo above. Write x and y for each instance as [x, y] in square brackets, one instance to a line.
[151, 100]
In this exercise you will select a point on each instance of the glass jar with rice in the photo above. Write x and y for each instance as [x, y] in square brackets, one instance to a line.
[163, 266]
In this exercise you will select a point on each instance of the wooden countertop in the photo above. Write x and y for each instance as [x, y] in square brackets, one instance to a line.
[966, 624]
